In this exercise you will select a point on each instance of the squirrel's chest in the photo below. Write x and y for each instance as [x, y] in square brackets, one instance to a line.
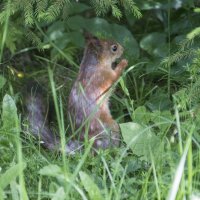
[93, 87]
[90, 93]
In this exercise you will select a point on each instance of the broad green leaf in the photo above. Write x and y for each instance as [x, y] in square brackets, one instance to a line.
[76, 22]
[1, 194]
[140, 139]
[99, 26]
[9, 114]
[181, 26]
[90, 186]
[10, 175]
[55, 31]
[77, 7]
[50, 170]
[158, 5]
[162, 119]
[14, 190]
[59, 195]
[159, 101]
[2, 81]
[141, 115]
[150, 44]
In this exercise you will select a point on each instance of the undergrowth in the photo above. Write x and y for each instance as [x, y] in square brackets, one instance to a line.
[156, 101]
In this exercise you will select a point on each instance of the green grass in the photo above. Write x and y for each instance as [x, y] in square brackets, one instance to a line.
[171, 173]
[159, 155]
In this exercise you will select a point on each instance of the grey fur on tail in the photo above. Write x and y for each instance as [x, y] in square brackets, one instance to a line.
[38, 120]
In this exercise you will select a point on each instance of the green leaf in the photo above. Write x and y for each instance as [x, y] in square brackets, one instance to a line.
[14, 190]
[99, 26]
[50, 170]
[9, 114]
[124, 88]
[141, 115]
[56, 33]
[59, 195]
[150, 44]
[10, 175]
[76, 22]
[162, 5]
[141, 140]
[162, 119]
[90, 186]
[77, 7]
[2, 81]
[159, 101]
[1, 194]
[56, 30]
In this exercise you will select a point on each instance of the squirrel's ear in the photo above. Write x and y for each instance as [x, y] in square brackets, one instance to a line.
[88, 36]
[92, 40]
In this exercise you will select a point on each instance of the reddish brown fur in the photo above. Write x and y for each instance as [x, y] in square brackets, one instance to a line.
[88, 101]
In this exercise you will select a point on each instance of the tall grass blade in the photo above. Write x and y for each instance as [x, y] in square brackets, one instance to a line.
[179, 172]
[5, 31]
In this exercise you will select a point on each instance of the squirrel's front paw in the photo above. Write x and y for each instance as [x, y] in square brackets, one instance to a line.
[123, 63]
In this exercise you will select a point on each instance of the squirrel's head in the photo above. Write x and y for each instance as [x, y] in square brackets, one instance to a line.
[106, 51]
[110, 51]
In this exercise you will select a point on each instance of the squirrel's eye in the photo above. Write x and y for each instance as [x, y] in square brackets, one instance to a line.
[114, 48]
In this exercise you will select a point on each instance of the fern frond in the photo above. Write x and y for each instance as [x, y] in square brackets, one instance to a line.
[41, 6]
[186, 43]
[11, 6]
[131, 6]
[69, 52]
[34, 39]
[189, 40]
[188, 96]
[181, 98]
[101, 7]
[28, 11]
[194, 92]
[116, 12]
[194, 33]
[178, 56]
[54, 10]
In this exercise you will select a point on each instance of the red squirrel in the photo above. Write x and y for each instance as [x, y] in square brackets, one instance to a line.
[88, 105]
[88, 100]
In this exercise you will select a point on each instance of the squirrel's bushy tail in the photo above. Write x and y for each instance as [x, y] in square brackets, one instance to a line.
[37, 114]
